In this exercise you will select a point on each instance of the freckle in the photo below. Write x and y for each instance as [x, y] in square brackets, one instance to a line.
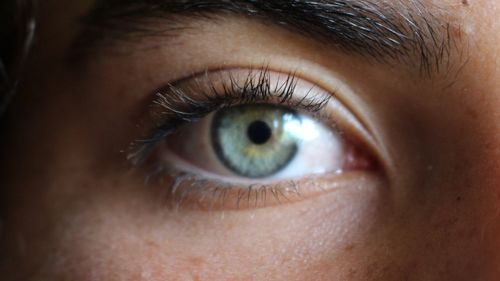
[465, 2]
[349, 247]
[352, 273]
[472, 113]
[152, 245]
[196, 261]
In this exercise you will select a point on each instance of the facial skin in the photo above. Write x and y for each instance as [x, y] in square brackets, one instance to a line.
[74, 209]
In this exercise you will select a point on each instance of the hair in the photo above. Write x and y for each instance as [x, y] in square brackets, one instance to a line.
[7, 26]
[17, 28]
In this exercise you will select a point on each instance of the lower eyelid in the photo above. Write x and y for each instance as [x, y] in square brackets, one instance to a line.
[191, 192]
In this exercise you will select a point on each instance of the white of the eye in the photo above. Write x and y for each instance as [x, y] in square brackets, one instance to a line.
[321, 150]
[305, 129]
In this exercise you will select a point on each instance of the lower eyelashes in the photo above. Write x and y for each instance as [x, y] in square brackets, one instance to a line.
[193, 191]
[263, 137]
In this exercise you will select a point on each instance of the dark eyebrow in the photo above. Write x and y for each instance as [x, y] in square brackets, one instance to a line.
[407, 33]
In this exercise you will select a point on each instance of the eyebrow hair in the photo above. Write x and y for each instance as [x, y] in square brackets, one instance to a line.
[406, 32]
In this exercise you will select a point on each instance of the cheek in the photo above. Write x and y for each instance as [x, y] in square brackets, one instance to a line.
[132, 237]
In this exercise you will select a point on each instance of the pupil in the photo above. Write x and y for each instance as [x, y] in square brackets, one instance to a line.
[259, 132]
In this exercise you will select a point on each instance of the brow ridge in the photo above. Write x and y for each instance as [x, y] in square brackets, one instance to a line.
[403, 32]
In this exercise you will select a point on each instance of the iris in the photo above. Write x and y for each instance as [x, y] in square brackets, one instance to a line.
[255, 141]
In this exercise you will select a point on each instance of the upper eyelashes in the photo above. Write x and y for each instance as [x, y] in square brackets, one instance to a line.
[212, 91]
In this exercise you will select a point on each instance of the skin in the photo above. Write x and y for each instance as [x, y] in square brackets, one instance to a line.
[73, 209]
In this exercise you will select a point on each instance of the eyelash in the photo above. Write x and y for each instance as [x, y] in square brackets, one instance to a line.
[179, 108]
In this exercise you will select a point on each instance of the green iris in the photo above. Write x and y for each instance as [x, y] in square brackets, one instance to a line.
[253, 140]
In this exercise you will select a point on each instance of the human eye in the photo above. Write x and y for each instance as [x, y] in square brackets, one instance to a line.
[251, 138]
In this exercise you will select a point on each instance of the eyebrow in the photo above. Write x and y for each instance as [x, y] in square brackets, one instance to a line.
[406, 32]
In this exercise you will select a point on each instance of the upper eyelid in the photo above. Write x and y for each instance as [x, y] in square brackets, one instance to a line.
[256, 81]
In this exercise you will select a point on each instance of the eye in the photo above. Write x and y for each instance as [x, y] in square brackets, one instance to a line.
[257, 142]
[241, 134]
